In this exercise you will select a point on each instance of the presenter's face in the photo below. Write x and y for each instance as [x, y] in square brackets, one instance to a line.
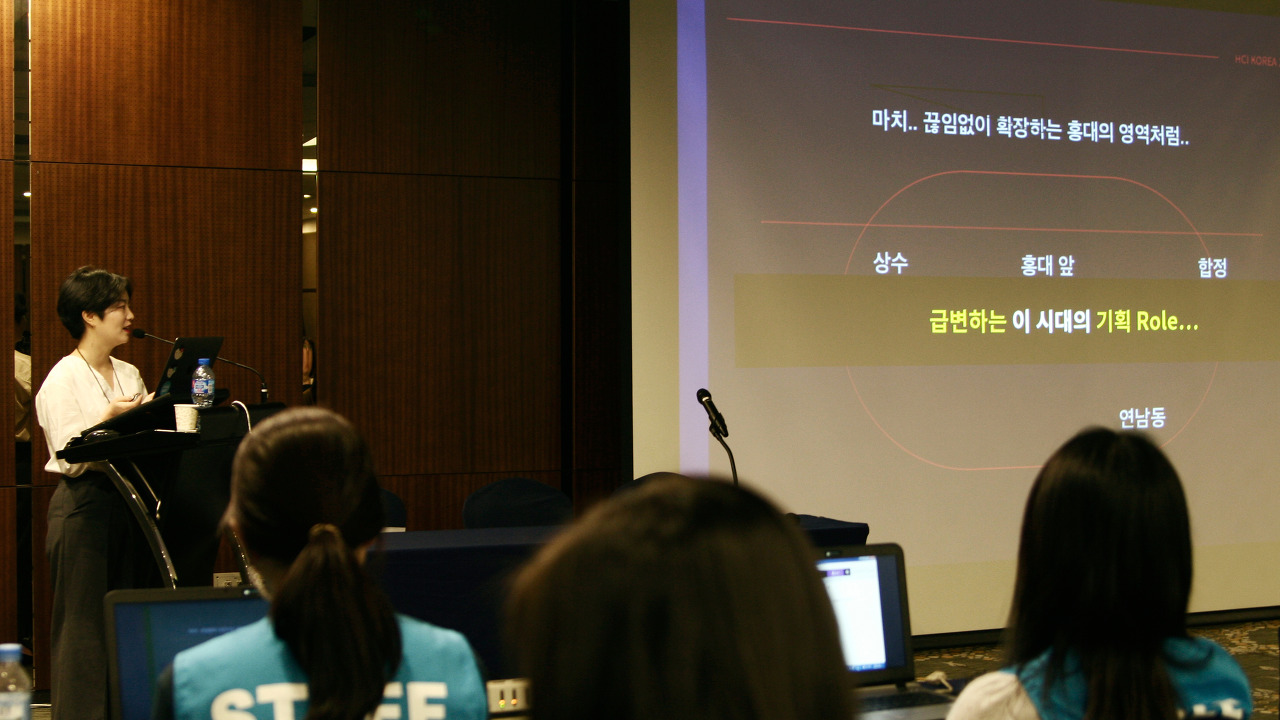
[116, 322]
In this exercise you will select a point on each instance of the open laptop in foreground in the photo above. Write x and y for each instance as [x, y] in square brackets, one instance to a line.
[868, 589]
[146, 628]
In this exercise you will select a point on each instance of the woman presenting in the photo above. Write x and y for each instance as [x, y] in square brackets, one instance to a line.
[93, 545]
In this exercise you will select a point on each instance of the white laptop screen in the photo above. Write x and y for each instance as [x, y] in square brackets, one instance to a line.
[854, 587]
[864, 584]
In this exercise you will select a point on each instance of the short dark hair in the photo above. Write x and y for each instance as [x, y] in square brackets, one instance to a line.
[89, 289]
[682, 599]
[1104, 570]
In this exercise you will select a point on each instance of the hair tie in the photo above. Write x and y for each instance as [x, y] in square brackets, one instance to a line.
[321, 528]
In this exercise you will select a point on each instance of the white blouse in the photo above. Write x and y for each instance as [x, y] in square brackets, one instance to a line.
[73, 398]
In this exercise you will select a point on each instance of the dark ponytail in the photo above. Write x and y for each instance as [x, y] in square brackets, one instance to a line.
[304, 496]
[339, 626]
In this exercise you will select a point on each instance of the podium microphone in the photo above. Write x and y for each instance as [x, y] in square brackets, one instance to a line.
[718, 428]
[140, 333]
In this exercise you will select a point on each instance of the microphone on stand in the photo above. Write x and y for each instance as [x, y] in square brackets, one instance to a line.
[718, 428]
[717, 420]
[140, 333]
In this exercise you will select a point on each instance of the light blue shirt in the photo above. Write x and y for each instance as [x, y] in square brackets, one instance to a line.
[249, 674]
[1209, 682]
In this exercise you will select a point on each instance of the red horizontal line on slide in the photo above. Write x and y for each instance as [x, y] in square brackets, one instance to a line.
[973, 37]
[1010, 229]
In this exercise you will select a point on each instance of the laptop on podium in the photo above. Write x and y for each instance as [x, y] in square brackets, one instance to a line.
[175, 378]
[867, 585]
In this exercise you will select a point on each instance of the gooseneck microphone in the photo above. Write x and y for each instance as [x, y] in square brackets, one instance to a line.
[718, 428]
[140, 333]
[717, 420]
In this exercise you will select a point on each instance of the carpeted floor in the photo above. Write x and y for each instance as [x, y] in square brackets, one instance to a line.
[1254, 646]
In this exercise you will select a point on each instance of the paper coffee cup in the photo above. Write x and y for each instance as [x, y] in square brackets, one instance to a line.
[186, 418]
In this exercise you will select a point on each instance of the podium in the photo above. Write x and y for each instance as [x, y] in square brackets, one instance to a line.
[176, 485]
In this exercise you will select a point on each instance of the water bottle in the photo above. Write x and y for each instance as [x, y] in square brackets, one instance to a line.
[201, 386]
[15, 684]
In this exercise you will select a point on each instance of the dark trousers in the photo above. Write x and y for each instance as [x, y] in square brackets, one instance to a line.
[93, 546]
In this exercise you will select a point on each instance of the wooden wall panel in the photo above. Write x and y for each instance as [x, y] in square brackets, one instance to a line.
[8, 495]
[9, 563]
[42, 590]
[6, 87]
[455, 88]
[210, 252]
[8, 477]
[439, 318]
[155, 82]
[457, 239]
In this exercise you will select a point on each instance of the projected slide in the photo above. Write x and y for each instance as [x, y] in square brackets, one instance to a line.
[939, 238]
[930, 284]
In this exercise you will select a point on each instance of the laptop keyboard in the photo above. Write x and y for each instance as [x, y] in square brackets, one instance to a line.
[911, 698]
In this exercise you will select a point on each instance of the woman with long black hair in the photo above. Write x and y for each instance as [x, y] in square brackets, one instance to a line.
[306, 505]
[1098, 625]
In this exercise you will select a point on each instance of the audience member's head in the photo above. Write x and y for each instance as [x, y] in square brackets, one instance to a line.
[1104, 566]
[681, 599]
[306, 504]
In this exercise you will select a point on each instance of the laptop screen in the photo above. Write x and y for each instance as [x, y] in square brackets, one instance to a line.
[175, 378]
[147, 628]
[868, 594]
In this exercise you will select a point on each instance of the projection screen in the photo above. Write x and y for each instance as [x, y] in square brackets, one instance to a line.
[911, 247]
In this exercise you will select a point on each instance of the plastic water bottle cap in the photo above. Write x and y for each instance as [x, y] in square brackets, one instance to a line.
[10, 652]
[203, 361]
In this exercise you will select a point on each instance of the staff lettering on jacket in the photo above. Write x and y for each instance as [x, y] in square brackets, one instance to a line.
[409, 701]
